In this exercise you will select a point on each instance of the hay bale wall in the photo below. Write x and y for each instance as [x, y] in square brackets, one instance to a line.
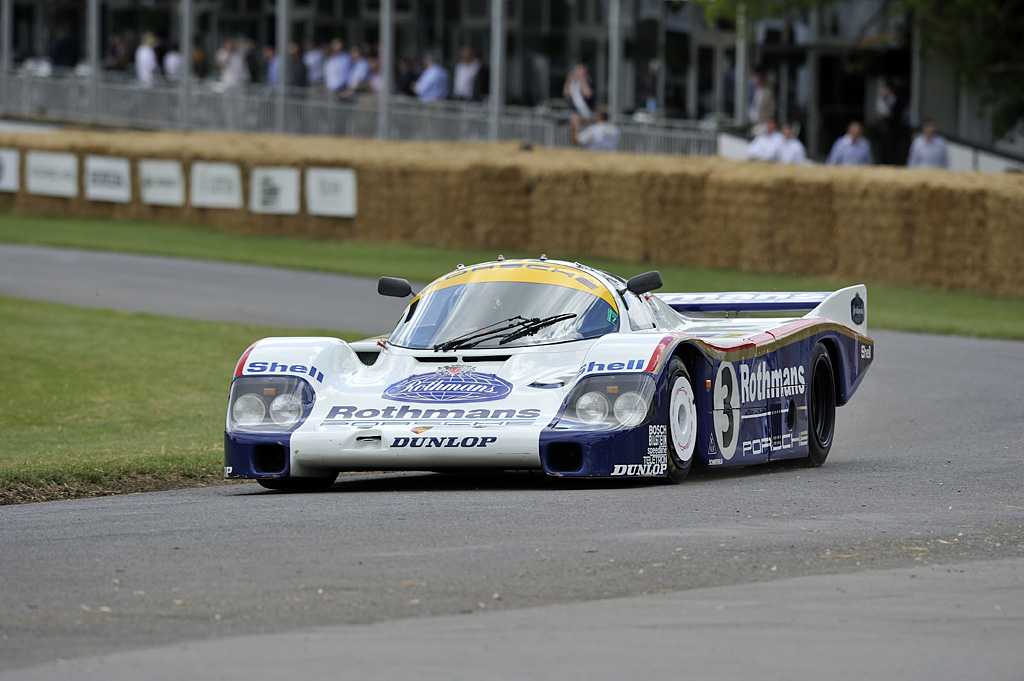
[939, 229]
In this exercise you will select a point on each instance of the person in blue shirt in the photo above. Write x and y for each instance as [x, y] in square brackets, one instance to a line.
[433, 83]
[358, 73]
[851, 149]
[270, 59]
[929, 150]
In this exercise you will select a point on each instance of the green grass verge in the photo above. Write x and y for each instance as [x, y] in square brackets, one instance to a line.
[904, 308]
[94, 397]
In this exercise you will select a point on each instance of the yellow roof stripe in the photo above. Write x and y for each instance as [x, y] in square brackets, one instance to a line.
[527, 271]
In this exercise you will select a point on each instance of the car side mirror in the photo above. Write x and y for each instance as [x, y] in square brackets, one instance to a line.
[644, 283]
[394, 287]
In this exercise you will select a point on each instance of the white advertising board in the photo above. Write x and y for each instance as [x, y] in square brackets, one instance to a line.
[51, 173]
[161, 182]
[331, 191]
[274, 189]
[9, 166]
[216, 185]
[108, 179]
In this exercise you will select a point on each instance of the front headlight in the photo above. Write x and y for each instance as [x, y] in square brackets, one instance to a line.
[631, 409]
[592, 408]
[268, 403]
[611, 401]
[285, 410]
[249, 410]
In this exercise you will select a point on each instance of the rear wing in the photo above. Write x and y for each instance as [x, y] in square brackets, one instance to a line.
[847, 306]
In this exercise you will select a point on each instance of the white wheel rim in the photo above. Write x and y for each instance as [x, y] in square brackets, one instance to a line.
[682, 416]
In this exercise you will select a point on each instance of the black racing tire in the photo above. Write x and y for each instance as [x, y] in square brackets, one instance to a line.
[681, 417]
[318, 484]
[821, 407]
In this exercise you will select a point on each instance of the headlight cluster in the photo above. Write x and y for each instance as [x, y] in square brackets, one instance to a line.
[268, 402]
[615, 401]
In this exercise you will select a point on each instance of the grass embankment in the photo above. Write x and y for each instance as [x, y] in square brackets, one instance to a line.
[903, 308]
[96, 402]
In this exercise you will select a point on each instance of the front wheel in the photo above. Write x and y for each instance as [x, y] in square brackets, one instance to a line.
[319, 484]
[821, 407]
[682, 422]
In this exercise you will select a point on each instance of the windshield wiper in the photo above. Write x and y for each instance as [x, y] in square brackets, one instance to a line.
[468, 340]
[534, 325]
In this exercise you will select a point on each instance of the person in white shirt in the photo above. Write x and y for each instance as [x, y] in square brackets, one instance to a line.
[601, 136]
[466, 72]
[145, 60]
[231, 62]
[928, 150]
[172, 63]
[766, 146]
[792, 150]
[313, 58]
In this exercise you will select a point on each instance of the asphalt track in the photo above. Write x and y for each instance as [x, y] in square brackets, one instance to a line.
[901, 558]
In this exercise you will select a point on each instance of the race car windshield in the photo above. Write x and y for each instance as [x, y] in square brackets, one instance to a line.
[444, 318]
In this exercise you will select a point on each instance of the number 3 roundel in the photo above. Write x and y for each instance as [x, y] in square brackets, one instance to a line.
[727, 409]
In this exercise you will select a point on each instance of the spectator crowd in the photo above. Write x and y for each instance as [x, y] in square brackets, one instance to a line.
[769, 145]
[333, 68]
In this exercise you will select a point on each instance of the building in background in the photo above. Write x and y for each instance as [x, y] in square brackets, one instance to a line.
[825, 66]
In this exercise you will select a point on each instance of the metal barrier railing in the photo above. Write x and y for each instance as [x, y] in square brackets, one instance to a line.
[120, 102]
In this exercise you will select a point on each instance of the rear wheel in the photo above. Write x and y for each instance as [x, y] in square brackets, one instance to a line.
[319, 484]
[821, 407]
[682, 422]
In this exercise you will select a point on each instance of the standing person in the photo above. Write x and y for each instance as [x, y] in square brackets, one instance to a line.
[313, 59]
[231, 62]
[469, 77]
[295, 68]
[579, 92]
[792, 150]
[253, 59]
[928, 150]
[64, 50]
[336, 67]
[600, 136]
[273, 69]
[117, 60]
[851, 149]
[767, 145]
[889, 109]
[408, 73]
[172, 63]
[358, 73]
[762, 103]
[433, 83]
[145, 61]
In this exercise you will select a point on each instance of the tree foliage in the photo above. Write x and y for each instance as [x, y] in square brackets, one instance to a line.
[981, 39]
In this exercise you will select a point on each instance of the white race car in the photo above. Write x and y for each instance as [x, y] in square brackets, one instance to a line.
[556, 367]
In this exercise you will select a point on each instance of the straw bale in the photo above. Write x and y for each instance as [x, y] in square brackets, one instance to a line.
[950, 236]
[672, 211]
[560, 214]
[499, 215]
[874, 223]
[1005, 238]
[803, 224]
[738, 217]
[961, 230]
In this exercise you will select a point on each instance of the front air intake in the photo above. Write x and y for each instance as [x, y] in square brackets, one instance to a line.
[270, 458]
[563, 457]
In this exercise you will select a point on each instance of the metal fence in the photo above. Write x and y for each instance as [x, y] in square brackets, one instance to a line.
[207, 106]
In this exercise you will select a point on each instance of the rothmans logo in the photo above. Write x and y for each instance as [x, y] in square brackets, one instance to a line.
[450, 383]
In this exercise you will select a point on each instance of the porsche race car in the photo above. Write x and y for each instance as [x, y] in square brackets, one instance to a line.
[556, 367]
